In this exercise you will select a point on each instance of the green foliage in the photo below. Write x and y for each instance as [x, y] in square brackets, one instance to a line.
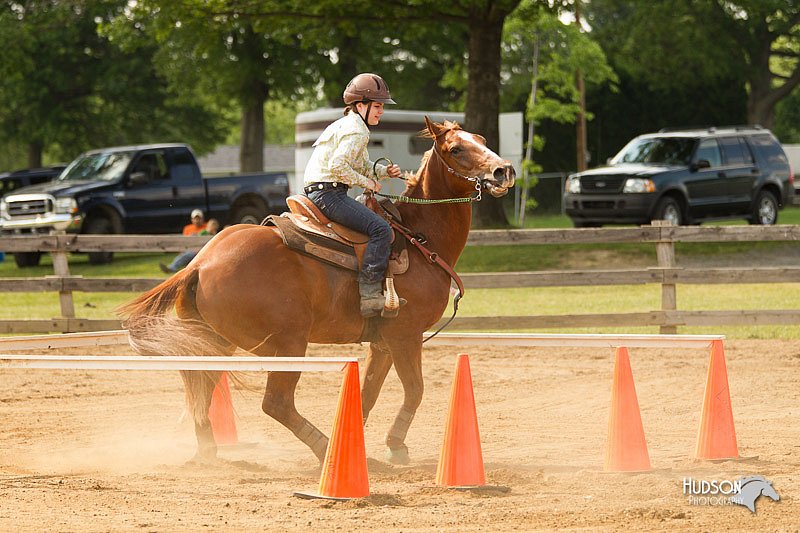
[73, 88]
[563, 50]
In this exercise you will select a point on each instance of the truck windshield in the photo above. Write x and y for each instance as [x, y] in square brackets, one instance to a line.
[105, 166]
[657, 151]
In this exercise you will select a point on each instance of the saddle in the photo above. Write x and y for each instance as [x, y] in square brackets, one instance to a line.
[306, 229]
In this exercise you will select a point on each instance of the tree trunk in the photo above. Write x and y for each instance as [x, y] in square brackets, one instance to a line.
[35, 154]
[483, 104]
[254, 92]
[251, 155]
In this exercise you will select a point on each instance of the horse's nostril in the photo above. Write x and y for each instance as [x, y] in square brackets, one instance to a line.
[498, 173]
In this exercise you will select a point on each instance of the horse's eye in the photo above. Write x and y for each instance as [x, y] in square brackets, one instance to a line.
[455, 150]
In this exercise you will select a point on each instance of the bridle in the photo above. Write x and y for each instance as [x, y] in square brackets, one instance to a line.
[478, 180]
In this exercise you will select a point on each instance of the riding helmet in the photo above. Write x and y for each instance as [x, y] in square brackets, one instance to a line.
[367, 87]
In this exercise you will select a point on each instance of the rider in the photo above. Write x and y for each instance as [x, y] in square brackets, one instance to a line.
[339, 161]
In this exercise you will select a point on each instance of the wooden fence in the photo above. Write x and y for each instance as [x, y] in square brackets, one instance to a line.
[667, 274]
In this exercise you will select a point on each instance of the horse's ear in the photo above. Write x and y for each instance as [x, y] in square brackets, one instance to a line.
[429, 125]
[433, 127]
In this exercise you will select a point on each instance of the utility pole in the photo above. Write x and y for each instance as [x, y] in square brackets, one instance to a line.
[581, 118]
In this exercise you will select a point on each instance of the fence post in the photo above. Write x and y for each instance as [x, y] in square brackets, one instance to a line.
[61, 270]
[665, 252]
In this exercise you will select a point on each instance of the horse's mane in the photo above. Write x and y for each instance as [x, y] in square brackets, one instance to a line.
[412, 180]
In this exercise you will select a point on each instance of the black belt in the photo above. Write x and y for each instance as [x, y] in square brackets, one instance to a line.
[324, 185]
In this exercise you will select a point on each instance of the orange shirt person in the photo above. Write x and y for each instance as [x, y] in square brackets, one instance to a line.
[198, 224]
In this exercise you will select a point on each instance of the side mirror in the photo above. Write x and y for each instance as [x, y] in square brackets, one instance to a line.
[138, 178]
[701, 163]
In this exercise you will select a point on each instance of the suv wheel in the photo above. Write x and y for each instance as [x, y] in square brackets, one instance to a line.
[765, 210]
[670, 210]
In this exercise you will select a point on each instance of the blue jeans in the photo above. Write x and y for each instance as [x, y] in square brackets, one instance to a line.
[340, 208]
[183, 259]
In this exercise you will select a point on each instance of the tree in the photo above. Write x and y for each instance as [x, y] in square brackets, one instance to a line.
[71, 88]
[210, 52]
[541, 56]
[672, 44]
[480, 20]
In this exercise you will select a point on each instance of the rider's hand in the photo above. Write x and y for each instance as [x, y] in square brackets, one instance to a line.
[375, 185]
[394, 171]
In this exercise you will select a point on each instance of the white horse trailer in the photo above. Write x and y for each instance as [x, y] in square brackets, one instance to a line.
[396, 138]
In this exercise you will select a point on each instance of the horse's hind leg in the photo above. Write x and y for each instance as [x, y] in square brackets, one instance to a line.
[278, 399]
[199, 388]
[279, 404]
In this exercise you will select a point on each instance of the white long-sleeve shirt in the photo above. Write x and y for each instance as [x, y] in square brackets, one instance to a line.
[340, 154]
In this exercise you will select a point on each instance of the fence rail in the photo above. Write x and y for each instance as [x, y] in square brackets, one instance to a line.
[667, 274]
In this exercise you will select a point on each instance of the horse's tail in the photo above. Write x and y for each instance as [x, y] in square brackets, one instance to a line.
[152, 330]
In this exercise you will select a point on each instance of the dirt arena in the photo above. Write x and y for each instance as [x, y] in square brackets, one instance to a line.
[108, 451]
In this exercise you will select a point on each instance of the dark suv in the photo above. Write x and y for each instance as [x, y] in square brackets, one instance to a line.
[685, 177]
[10, 181]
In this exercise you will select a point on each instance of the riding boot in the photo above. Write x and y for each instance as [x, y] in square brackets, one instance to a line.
[372, 299]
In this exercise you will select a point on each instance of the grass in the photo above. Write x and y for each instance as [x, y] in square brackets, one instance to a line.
[489, 302]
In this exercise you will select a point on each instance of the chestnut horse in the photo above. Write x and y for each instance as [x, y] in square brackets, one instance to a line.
[247, 289]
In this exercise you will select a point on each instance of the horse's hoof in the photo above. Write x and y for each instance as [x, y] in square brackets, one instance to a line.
[203, 460]
[204, 456]
[398, 456]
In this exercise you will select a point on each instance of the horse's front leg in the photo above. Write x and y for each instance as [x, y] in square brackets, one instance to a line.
[379, 361]
[407, 358]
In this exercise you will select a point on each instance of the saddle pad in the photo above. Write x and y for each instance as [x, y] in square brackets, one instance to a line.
[315, 241]
[327, 249]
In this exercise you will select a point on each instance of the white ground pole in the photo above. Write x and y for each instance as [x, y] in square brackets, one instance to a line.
[138, 362]
[107, 338]
[574, 340]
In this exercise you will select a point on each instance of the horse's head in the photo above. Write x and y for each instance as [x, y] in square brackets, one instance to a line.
[470, 163]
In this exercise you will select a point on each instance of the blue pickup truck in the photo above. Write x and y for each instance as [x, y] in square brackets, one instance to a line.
[148, 189]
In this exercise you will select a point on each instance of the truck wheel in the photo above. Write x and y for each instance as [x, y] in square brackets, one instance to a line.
[670, 210]
[765, 210]
[248, 214]
[99, 226]
[27, 259]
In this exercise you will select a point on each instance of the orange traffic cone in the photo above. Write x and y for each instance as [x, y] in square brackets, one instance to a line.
[220, 413]
[344, 472]
[626, 450]
[716, 438]
[461, 458]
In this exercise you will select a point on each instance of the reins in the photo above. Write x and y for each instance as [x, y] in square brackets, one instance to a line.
[434, 259]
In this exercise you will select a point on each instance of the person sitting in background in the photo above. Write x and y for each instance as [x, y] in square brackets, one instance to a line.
[184, 258]
[197, 224]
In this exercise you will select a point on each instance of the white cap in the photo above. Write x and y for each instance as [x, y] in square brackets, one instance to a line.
[197, 213]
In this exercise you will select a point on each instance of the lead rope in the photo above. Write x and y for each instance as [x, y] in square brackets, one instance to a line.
[432, 257]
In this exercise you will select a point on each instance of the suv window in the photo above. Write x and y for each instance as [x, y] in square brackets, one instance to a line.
[657, 150]
[709, 150]
[769, 150]
[736, 151]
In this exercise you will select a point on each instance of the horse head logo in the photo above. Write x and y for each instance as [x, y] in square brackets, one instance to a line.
[752, 488]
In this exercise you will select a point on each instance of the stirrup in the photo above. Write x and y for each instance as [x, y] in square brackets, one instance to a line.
[392, 303]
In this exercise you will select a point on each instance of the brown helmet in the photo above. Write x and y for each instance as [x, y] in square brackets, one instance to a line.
[367, 87]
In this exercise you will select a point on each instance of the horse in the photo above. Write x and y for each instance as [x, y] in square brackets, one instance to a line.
[753, 487]
[247, 289]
